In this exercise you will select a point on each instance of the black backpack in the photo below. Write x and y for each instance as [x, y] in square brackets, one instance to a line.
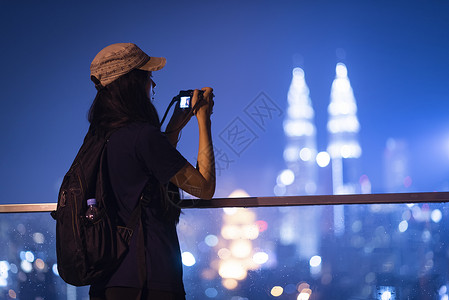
[87, 252]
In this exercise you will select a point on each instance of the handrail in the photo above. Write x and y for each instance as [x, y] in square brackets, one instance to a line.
[392, 198]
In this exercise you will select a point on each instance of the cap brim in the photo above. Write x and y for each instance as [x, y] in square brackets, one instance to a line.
[154, 64]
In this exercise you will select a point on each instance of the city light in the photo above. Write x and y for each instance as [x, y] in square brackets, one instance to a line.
[250, 232]
[230, 283]
[343, 124]
[238, 193]
[26, 266]
[305, 154]
[13, 268]
[436, 215]
[224, 253]
[230, 210]
[343, 108]
[39, 264]
[262, 225]
[260, 258]
[232, 269]
[341, 70]
[403, 226]
[241, 216]
[322, 159]
[29, 256]
[386, 295]
[276, 291]
[304, 291]
[443, 290]
[298, 72]
[315, 265]
[297, 128]
[4, 268]
[300, 112]
[303, 296]
[345, 150]
[211, 240]
[240, 248]
[38, 238]
[188, 259]
[286, 177]
[315, 261]
[211, 292]
[230, 232]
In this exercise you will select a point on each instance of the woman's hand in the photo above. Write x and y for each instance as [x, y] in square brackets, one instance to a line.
[205, 107]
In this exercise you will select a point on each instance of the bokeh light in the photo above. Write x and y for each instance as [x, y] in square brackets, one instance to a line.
[230, 283]
[276, 291]
[211, 240]
[211, 292]
[436, 215]
[260, 257]
[315, 261]
[188, 259]
[403, 226]
[323, 159]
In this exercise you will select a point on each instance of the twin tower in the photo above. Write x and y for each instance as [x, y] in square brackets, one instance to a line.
[309, 171]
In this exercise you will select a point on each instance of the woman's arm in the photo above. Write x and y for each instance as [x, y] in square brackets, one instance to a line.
[200, 182]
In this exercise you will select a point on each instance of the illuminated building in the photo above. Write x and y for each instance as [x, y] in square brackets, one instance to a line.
[298, 225]
[343, 127]
[344, 148]
[300, 177]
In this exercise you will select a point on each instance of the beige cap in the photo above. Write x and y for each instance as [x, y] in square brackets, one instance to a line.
[118, 59]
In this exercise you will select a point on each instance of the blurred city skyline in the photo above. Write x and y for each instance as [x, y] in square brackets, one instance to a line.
[395, 53]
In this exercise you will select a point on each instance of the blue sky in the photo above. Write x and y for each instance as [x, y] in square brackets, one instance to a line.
[396, 53]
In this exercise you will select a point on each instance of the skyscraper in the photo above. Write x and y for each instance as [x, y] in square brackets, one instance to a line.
[343, 127]
[300, 177]
[298, 225]
[344, 148]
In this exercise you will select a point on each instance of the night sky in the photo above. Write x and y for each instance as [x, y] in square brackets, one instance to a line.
[396, 52]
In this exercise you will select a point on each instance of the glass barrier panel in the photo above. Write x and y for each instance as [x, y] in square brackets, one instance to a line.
[389, 251]
[28, 267]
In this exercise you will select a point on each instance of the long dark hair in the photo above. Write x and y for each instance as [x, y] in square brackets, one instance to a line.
[123, 101]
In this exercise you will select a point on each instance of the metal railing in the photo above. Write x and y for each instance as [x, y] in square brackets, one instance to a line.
[431, 197]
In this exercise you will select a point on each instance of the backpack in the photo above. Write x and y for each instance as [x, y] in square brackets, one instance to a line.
[88, 251]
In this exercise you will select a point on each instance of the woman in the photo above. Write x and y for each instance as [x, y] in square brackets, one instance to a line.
[141, 157]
